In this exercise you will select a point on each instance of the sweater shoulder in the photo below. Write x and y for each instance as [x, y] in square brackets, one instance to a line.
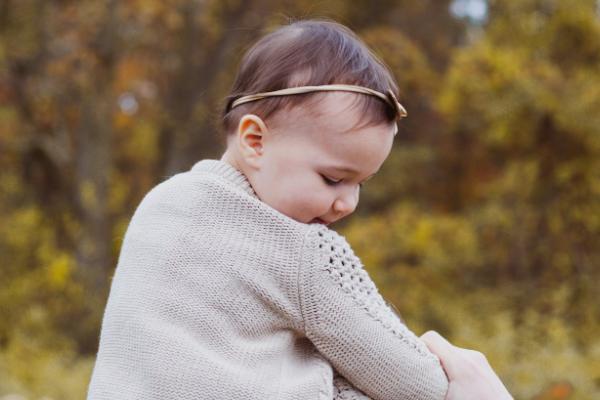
[210, 202]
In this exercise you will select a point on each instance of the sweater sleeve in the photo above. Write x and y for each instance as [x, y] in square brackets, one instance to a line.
[352, 326]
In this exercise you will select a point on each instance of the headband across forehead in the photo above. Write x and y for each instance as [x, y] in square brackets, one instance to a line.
[389, 97]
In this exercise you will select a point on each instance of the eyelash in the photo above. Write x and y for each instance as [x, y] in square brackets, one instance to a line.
[333, 183]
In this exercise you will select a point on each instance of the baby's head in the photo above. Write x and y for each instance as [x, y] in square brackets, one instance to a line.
[307, 155]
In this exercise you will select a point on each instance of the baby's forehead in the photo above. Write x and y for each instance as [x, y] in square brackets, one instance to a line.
[323, 134]
[333, 111]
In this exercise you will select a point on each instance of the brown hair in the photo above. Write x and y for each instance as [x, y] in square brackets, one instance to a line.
[306, 53]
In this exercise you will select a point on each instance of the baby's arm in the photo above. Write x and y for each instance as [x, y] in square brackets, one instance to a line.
[343, 390]
[351, 325]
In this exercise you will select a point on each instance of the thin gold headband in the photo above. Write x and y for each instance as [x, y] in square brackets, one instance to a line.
[390, 98]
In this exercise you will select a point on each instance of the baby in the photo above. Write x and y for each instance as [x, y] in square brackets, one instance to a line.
[230, 284]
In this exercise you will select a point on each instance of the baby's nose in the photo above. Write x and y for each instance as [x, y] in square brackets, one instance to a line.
[345, 205]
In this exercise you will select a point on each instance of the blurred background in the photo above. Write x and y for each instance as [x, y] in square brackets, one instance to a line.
[483, 224]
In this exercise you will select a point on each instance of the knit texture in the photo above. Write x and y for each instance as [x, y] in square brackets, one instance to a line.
[217, 295]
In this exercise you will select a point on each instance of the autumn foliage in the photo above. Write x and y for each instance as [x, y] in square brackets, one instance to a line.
[483, 224]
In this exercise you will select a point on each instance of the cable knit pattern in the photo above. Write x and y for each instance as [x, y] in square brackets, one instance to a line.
[376, 353]
[217, 295]
[346, 269]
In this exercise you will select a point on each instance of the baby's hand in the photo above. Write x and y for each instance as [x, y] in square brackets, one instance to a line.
[469, 374]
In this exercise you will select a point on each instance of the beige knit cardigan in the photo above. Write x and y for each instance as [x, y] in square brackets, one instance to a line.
[217, 295]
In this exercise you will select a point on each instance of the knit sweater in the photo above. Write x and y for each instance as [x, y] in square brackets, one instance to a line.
[217, 295]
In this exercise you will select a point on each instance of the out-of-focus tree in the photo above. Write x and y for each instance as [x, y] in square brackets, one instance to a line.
[487, 197]
[528, 155]
[508, 263]
[99, 101]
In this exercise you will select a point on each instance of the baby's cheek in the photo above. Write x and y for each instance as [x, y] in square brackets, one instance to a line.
[321, 202]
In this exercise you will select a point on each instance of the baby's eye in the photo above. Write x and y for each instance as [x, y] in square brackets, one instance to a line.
[330, 181]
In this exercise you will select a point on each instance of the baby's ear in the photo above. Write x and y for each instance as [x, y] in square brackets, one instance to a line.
[250, 134]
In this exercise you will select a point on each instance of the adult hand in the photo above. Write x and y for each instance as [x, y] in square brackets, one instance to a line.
[469, 374]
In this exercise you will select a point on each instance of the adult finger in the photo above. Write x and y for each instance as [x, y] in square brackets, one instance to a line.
[445, 351]
[477, 356]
